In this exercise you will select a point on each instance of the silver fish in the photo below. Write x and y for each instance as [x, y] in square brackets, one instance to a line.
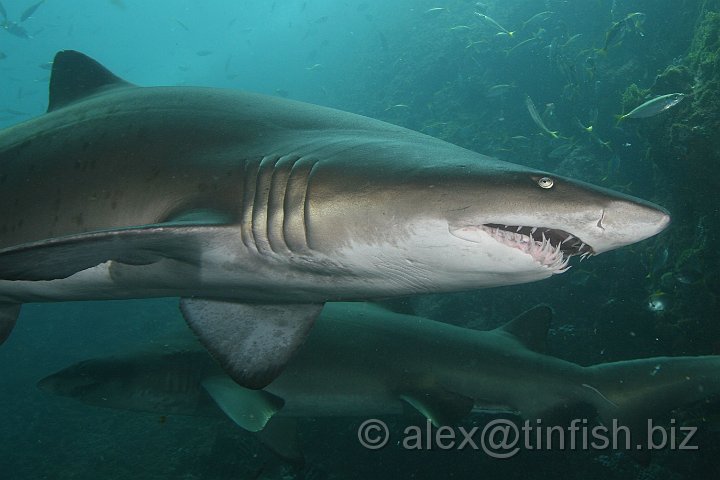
[536, 117]
[655, 106]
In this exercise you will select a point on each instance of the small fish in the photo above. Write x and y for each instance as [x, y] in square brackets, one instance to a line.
[30, 10]
[472, 44]
[436, 9]
[588, 128]
[617, 30]
[17, 30]
[399, 105]
[654, 106]
[317, 66]
[689, 276]
[571, 39]
[46, 65]
[538, 16]
[182, 25]
[657, 302]
[498, 90]
[496, 24]
[460, 27]
[203, 53]
[591, 69]
[524, 42]
[536, 117]
[552, 50]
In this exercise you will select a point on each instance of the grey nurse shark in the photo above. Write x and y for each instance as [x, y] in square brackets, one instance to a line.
[257, 210]
[363, 360]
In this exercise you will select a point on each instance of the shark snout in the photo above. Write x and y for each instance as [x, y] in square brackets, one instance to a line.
[626, 222]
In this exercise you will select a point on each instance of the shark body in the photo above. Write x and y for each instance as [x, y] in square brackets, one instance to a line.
[257, 210]
[363, 360]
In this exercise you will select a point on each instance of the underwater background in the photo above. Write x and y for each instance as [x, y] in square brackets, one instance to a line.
[437, 67]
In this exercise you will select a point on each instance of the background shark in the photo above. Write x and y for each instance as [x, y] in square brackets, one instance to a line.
[363, 360]
[258, 210]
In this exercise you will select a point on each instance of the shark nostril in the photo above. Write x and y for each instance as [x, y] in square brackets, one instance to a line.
[600, 222]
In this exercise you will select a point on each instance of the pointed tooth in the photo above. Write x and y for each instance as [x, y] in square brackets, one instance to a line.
[534, 229]
[561, 265]
[519, 228]
[547, 247]
[569, 237]
[564, 269]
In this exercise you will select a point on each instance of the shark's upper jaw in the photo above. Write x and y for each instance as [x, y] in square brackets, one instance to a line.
[551, 248]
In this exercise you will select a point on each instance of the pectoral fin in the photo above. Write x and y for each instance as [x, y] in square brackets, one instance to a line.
[440, 406]
[8, 316]
[252, 343]
[62, 257]
[250, 409]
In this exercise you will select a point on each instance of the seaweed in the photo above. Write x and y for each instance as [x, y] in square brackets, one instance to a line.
[633, 96]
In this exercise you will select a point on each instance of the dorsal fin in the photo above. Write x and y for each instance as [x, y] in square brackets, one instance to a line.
[531, 327]
[76, 76]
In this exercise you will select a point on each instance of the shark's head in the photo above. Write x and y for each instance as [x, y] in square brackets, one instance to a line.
[548, 216]
[87, 381]
[470, 221]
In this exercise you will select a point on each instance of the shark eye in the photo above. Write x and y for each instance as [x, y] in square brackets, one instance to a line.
[545, 182]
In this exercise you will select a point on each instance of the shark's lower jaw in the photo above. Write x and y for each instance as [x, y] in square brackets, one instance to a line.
[551, 248]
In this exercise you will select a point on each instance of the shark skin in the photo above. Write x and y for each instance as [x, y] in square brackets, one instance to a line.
[363, 360]
[257, 210]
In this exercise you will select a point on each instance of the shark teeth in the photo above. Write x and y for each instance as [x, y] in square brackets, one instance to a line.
[541, 250]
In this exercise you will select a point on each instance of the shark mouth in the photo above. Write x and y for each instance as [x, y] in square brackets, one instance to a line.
[550, 247]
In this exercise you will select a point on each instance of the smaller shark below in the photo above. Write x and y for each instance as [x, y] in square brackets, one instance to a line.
[364, 360]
